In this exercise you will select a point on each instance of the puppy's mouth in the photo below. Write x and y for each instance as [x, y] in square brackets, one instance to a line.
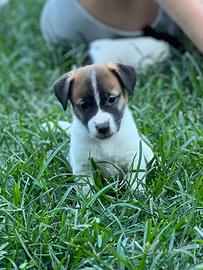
[104, 136]
[107, 135]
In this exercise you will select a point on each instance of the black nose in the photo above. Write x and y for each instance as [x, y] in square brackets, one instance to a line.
[103, 128]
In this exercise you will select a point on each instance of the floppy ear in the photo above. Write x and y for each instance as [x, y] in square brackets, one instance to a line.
[62, 88]
[126, 75]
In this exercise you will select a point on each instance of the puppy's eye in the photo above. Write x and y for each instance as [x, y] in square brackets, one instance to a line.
[84, 105]
[112, 100]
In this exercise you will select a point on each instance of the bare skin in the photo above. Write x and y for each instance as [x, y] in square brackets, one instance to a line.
[133, 15]
[127, 15]
[188, 14]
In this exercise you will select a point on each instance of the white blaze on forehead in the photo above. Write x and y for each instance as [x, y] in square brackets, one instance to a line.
[101, 116]
[94, 86]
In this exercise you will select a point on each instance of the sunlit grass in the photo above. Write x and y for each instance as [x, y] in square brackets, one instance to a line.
[40, 225]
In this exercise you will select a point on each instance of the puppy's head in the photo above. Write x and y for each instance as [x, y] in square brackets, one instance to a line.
[98, 94]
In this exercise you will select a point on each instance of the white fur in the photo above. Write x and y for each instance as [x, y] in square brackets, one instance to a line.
[94, 87]
[122, 149]
[118, 151]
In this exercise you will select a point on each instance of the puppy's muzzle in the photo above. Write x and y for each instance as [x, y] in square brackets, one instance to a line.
[103, 128]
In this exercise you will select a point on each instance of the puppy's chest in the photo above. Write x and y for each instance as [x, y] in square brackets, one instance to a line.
[111, 156]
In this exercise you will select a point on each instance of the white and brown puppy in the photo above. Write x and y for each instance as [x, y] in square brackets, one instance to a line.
[103, 127]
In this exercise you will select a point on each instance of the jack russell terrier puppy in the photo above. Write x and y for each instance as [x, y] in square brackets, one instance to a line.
[103, 128]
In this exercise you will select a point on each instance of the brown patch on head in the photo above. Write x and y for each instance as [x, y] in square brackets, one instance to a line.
[112, 85]
[81, 91]
[122, 102]
[107, 82]
[126, 75]
[81, 85]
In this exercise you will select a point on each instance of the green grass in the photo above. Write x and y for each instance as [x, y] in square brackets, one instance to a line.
[40, 225]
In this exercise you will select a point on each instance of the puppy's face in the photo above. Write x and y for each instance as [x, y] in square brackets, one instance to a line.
[98, 96]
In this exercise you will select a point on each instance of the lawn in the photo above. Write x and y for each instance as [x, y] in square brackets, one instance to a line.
[40, 225]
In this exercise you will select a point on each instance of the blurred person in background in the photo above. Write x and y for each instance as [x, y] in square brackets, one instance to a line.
[66, 22]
